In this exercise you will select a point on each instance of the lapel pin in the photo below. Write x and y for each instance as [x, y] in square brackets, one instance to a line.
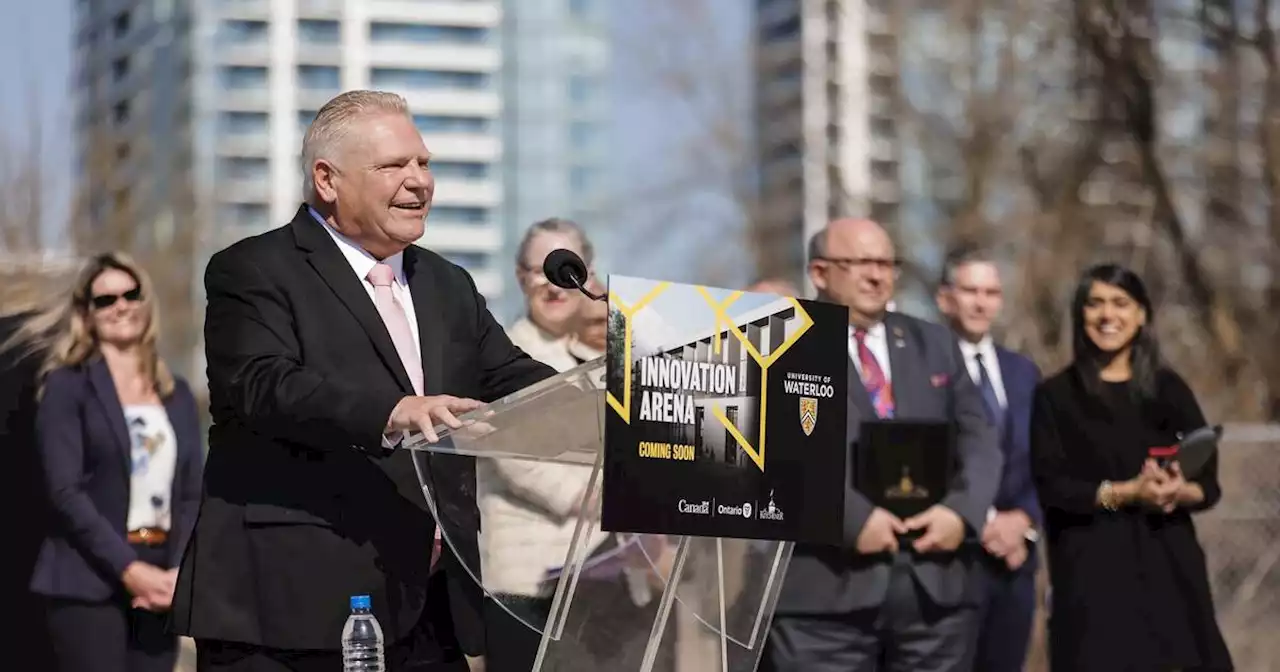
[897, 335]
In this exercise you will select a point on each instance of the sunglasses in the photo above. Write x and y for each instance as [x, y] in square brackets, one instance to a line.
[103, 301]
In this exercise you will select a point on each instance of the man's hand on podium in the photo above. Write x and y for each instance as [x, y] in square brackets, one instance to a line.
[422, 414]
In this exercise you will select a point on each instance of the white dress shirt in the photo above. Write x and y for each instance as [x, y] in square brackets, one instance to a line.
[361, 263]
[878, 343]
[990, 361]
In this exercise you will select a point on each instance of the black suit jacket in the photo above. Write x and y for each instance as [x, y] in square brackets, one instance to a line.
[24, 504]
[930, 382]
[84, 448]
[302, 509]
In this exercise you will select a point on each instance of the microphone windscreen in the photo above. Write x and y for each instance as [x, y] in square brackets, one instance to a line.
[562, 267]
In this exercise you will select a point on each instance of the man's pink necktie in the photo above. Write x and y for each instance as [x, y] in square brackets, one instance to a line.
[382, 277]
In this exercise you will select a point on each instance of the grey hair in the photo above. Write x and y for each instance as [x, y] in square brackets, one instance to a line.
[818, 245]
[962, 256]
[554, 225]
[332, 124]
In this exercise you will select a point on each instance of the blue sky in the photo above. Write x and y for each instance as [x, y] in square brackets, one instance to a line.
[673, 231]
[35, 74]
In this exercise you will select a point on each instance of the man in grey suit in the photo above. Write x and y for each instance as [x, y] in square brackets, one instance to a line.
[875, 604]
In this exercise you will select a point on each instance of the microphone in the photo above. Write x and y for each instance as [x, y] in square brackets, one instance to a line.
[566, 270]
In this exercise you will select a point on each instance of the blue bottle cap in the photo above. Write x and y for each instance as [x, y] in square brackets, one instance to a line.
[359, 601]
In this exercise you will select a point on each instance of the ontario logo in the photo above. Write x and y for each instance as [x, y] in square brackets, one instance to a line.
[808, 414]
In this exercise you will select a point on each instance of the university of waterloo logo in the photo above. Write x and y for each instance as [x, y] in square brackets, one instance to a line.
[808, 414]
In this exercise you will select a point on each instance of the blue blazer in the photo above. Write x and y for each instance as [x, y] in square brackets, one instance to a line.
[84, 448]
[1017, 489]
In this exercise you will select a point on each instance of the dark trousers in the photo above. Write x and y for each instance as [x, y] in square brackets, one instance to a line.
[111, 636]
[907, 633]
[513, 645]
[1007, 618]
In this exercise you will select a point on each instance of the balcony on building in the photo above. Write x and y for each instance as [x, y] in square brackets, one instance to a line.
[252, 10]
[243, 42]
[319, 42]
[237, 220]
[427, 47]
[458, 146]
[320, 9]
[242, 179]
[444, 233]
[244, 87]
[317, 84]
[442, 12]
[453, 191]
[243, 133]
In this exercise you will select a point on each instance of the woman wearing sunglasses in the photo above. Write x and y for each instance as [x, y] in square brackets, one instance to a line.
[119, 442]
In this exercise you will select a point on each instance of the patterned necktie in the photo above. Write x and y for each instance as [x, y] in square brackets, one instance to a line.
[873, 378]
[995, 412]
[382, 277]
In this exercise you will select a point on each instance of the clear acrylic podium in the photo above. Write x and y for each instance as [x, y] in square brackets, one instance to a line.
[605, 601]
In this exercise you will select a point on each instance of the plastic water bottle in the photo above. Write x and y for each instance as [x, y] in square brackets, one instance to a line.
[362, 639]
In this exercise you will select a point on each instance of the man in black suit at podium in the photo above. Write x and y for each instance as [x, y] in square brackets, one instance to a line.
[327, 340]
[881, 602]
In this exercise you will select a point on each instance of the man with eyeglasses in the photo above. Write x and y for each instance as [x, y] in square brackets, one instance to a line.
[878, 602]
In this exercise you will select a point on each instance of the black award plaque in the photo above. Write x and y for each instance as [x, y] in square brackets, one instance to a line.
[903, 466]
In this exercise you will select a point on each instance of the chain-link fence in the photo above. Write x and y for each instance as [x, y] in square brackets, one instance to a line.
[1241, 540]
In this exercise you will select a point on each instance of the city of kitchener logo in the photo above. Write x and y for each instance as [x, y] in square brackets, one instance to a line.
[771, 511]
[808, 414]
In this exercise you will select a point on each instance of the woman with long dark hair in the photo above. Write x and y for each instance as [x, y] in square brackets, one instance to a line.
[1130, 588]
[119, 446]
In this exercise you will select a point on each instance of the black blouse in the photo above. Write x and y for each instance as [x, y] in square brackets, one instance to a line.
[1130, 588]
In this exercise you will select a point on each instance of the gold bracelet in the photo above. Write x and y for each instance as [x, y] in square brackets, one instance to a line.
[1107, 496]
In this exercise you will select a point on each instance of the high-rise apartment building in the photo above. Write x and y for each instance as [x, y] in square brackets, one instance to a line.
[556, 58]
[827, 140]
[220, 93]
[192, 113]
[265, 68]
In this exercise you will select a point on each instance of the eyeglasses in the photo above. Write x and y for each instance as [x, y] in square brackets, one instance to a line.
[847, 263]
[104, 301]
